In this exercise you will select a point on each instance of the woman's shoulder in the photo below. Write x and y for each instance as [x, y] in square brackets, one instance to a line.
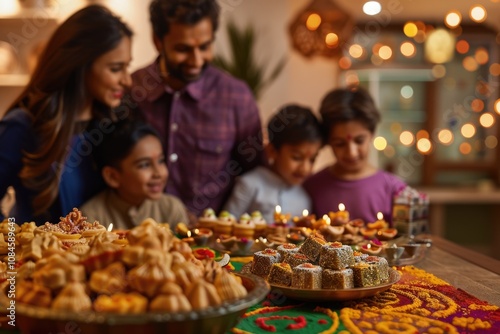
[17, 116]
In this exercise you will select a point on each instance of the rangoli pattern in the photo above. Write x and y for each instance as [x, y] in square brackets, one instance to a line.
[419, 303]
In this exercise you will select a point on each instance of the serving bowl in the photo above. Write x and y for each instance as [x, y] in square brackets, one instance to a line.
[218, 319]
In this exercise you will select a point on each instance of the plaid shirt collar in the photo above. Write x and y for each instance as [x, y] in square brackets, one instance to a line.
[193, 89]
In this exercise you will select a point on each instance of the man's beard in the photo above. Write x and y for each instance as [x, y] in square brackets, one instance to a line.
[177, 72]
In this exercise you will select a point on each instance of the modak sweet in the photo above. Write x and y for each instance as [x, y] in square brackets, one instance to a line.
[73, 298]
[109, 280]
[228, 287]
[170, 299]
[202, 294]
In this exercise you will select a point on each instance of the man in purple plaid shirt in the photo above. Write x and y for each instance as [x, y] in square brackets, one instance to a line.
[209, 120]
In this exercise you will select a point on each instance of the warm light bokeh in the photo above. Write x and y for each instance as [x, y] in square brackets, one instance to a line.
[445, 136]
[408, 49]
[424, 146]
[313, 21]
[385, 52]
[462, 46]
[380, 143]
[453, 18]
[497, 106]
[487, 120]
[465, 148]
[345, 63]
[470, 64]
[422, 134]
[406, 138]
[332, 39]
[356, 50]
[477, 13]
[372, 8]
[481, 55]
[477, 105]
[410, 29]
[468, 130]
[495, 69]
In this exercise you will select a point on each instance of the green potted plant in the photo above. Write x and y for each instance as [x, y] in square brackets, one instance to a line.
[242, 63]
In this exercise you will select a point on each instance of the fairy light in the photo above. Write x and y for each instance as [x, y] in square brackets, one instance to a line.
[380, 143]
[406, 138]
[453, 19]
[477, 13]
[445, 136]
[313, 21]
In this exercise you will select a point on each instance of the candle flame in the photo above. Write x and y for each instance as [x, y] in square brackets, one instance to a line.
[189, 234]
[110, 227]
[341, 207]
[305, 213]
[327, 219]
[380, 216]
[278, 209]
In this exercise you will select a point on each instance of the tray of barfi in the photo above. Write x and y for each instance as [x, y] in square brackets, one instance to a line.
[152, 283]
[322, 271]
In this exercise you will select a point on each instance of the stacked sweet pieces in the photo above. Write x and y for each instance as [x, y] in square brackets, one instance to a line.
[318, 264]
[246, 226]
[154, 272]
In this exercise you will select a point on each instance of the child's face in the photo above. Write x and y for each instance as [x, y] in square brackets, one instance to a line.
[350, 142]
[143, 173]
[294, 163]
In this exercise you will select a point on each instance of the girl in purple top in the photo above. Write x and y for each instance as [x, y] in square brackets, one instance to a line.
[350, 118]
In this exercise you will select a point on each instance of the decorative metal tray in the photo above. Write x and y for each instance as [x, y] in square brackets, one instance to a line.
[218, 319]
[331, 294]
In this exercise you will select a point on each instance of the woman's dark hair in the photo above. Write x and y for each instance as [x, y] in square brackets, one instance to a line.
[293, 124]
[349, 104]
[164, 12]
[120, 141]
[56, 94]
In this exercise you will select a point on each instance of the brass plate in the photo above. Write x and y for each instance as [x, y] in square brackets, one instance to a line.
[331, 294]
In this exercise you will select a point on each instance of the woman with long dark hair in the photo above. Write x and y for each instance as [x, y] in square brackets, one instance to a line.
[48, 134]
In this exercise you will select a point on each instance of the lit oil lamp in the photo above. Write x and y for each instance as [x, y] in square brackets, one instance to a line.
[340, 217]
[279, 218]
